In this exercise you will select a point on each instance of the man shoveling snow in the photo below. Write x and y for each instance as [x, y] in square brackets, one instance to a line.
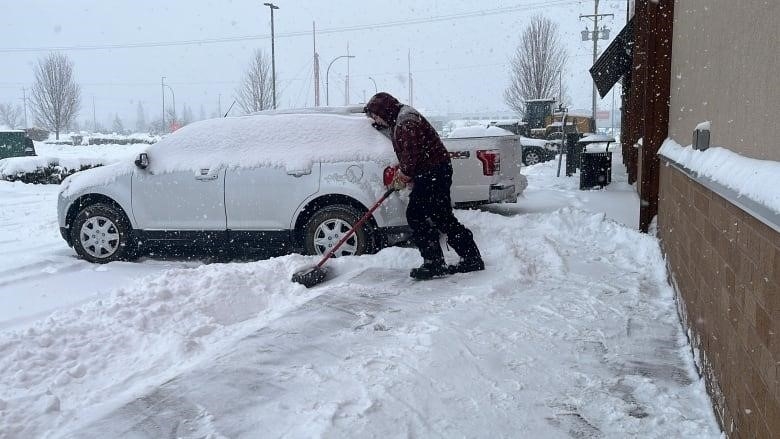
[425, 163]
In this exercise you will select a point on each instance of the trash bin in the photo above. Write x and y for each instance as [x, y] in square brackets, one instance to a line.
[595, 167]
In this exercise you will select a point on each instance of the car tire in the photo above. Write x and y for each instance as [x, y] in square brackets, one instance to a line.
[101, 234]
[532, 157]
[329, 224]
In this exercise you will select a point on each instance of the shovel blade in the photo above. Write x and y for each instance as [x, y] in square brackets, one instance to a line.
[310, 276]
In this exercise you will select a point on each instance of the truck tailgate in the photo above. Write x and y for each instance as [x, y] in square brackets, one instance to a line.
[473, 181]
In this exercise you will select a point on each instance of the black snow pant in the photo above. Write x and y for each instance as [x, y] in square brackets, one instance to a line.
[430, 212]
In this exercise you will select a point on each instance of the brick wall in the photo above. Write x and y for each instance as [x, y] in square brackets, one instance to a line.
[725, 265]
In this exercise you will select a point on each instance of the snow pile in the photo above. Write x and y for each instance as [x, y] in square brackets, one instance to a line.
[479, 131]
[105, 154]
[756, 179]
[86, 138]
[21, 165]
[290, 141]
[572, 328]
[107, 349]
[69, 157]
[571, 331]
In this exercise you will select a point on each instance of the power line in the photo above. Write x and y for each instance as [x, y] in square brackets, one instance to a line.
[408, 22]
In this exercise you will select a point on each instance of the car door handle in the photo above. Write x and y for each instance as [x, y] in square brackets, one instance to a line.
[205, 175]
[299, 173]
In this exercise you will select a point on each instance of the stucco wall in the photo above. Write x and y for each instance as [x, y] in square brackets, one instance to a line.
[725, 69]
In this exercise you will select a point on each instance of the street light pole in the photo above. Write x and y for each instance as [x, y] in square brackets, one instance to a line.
[162, 87]
[327, 77]
[375, 89]
[273, 51]
[173, 95]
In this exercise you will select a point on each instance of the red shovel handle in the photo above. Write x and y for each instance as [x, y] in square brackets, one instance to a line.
[356, 226]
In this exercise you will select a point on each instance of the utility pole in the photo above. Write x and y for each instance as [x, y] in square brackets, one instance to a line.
[94, 119]
[24, 103]
[316, 66]
[162, 87]
[595, 36]
[219, 104]
[612, 114]
[346, 82]
[273, 54]
[411, 81]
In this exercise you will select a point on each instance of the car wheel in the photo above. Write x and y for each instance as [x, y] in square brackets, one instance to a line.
[326, 228]
[100, 234]
[531, 157]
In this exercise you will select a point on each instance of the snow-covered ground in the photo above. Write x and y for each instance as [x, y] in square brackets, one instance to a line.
[570, 332]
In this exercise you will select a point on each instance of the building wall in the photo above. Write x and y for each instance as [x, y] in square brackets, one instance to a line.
[725, 69]
[725, 266]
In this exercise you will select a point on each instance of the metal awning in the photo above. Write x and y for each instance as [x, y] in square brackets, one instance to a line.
[615, 61]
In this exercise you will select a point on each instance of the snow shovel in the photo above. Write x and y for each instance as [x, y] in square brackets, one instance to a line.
[312, 276]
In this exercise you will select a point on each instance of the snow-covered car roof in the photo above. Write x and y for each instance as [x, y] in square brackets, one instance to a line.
[527, 141]
[292, 141]
[345, 110]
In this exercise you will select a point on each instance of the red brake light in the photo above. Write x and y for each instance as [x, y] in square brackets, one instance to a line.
[491, 161]
[388, 176]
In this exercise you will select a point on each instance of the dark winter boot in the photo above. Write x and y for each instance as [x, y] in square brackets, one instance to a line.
[429, 270]
[464, 245]
[466, 266]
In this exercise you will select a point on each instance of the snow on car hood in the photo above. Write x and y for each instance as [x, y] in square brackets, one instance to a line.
[100, 176]
[291, 141]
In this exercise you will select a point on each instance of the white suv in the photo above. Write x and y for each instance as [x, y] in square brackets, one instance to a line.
[284, 180]
[292, 181]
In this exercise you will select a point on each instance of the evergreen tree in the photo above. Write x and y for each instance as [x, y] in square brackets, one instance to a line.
[140, 118]
[117, 125]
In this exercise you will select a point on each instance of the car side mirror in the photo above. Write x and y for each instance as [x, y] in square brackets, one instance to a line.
[142, 162]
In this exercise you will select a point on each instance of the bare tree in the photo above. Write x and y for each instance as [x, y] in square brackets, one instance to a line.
[11, 115]
[536, 65]
[255, 92]
[56, 96]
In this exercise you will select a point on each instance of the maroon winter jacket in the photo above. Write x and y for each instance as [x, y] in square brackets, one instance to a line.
[416, 143]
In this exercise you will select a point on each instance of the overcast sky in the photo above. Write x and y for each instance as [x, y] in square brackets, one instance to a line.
[460, 49]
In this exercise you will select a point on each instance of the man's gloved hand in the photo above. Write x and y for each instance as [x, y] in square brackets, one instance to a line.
[400, 180]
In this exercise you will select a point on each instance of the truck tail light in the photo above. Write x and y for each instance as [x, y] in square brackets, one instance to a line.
[491, 161]
[388, 175]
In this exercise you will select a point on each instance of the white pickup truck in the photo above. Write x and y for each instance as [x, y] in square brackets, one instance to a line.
[486, 165]
[485, 169]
